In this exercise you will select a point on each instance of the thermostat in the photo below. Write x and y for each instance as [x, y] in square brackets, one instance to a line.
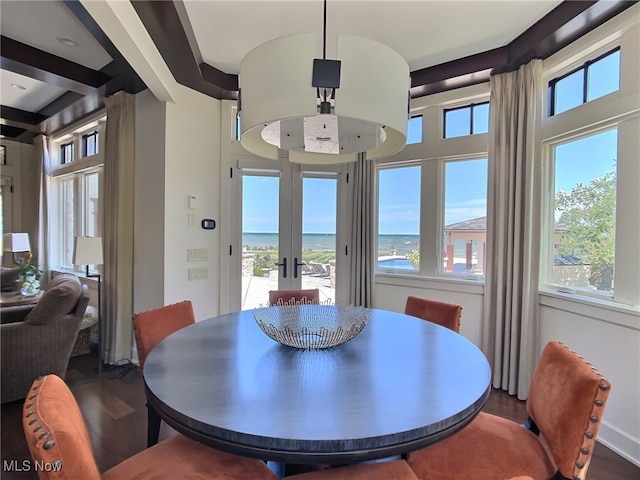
[208, 223]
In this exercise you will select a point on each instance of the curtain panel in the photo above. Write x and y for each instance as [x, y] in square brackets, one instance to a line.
[43, 177]
[510, 325]
[117, 303]
[361, 270]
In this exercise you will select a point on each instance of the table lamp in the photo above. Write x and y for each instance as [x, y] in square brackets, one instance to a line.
[16, 242]
[88, 251]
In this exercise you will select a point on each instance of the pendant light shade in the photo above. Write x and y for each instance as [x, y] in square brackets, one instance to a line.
[288, 100]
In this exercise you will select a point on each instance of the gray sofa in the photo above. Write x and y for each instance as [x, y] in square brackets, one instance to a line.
[37, 339]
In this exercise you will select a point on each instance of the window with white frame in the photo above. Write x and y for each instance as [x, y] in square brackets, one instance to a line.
[76, 187]
[399, 218]
[594, 79]
[465, 216]
[590, 243]
[432, 198]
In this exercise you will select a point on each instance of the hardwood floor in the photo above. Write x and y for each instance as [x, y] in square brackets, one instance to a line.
[115, 412]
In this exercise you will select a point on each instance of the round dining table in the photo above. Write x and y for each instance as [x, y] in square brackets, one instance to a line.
[401, 384]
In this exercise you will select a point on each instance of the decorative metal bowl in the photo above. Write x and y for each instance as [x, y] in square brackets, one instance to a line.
[311, 326]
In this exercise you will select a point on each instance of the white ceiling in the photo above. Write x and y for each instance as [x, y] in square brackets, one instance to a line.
[425, 32]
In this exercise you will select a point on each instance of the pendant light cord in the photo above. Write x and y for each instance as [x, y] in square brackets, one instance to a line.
[324, 33]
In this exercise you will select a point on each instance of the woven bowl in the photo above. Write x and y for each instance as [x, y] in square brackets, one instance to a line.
[311, 326]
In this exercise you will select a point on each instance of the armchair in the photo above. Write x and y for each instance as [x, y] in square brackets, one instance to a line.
[37, 339]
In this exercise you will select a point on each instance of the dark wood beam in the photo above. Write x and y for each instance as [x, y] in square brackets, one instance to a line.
[20, 118]
[10, 131]
[34, 63]
[171, 35]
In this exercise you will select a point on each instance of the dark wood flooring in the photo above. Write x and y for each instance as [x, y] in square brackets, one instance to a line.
[115, 412]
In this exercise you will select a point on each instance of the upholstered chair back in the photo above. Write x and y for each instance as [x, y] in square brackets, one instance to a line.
[566, 401]
[445, 314]
[56, 433]
[294, 297]
[153, 326]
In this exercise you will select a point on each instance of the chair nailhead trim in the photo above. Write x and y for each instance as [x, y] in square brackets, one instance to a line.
[598, 402]
[589, 435]
[30, 414]
[593, 418]
[35, 387]
[576, 477]
[32, 421]
[49, 444]
[29, 406]
[584, 451]
[57, 463]
[604, 387]
[580, 464]
[43, 435]
[38, 428]
[33, 396]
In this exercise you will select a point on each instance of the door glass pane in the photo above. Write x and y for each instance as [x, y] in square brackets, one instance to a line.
[260, 204]
[603, 76]
[319, 203]
[68, 229]
[585, 212]
[399, 218]
[465, 215]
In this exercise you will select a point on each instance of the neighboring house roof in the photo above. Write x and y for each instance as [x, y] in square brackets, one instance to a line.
[560, 259]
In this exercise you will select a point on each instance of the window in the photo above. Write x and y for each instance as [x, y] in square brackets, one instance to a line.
[594, 79]
[465, 215]
[399, 218]
[585, 212]
[90, 144]
[76, 186]
[66, 153]
[414, 130]
[466, 120]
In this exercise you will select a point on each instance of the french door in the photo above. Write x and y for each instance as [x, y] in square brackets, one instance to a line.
[291, 230]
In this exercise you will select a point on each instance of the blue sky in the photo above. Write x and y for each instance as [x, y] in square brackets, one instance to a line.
[465, 181]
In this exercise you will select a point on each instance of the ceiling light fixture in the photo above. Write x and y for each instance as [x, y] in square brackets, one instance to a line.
[320, 110]
[18, 86]
[67, 42]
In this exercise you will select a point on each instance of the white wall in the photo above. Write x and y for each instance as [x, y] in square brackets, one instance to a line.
[21, 173]
[177, 154]
[192, 168]
[149, 215]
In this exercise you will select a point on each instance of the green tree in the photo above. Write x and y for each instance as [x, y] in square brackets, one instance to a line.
[589, 214]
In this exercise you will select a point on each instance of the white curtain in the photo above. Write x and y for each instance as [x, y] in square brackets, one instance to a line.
[117, 285]
[41, 235]
[510, 327]
[361, 271]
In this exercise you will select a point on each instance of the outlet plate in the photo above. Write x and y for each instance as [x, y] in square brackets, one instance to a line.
[198, 273]
[197, 254]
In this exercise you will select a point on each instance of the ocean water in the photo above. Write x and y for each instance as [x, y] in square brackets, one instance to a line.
[387, 244]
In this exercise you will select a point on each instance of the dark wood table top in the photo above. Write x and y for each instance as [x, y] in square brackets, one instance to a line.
[399, 385]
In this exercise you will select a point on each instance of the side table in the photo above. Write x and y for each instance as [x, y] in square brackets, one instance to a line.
[12, 299]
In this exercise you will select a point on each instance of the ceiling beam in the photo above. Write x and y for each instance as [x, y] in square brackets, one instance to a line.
[119, 21]
[180, 51]
[20, 118]
[34, 63]
[564, 24]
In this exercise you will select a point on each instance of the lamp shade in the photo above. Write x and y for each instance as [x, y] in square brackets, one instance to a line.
[87, 251]
[16, 242]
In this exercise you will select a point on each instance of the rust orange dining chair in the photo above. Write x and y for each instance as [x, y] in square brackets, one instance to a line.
[445, 314]
[150, 328]
[294, 297]
[565, 407]
[393, 470]
[59, 441]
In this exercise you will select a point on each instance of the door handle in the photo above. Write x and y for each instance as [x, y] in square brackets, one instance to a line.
[284, 267]
[295, 266]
